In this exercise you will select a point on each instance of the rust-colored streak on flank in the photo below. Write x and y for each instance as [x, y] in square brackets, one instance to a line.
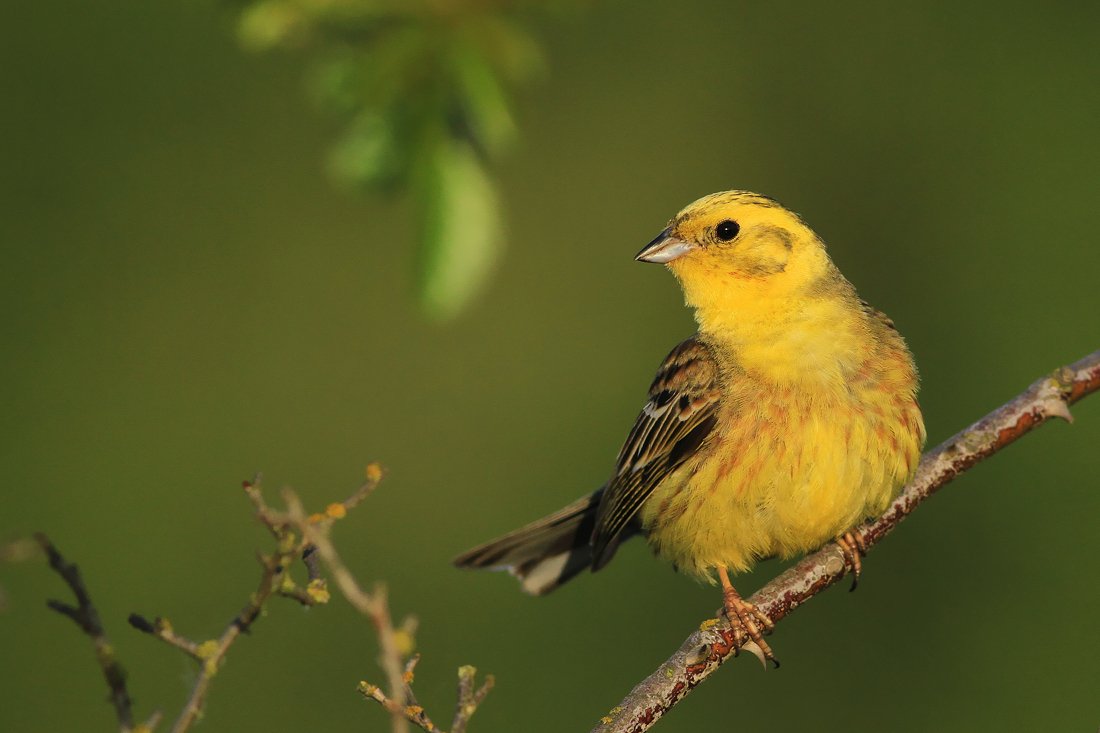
[817, 571]
[752, 471]
[729, 464]
[907, 416]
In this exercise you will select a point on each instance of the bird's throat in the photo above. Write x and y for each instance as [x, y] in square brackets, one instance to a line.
[779, 337]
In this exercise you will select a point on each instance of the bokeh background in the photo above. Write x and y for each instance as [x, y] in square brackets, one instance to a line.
[187, 299]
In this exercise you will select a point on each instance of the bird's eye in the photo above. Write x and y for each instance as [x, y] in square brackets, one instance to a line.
[727, 230]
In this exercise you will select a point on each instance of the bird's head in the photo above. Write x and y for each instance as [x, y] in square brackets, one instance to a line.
[739, 250]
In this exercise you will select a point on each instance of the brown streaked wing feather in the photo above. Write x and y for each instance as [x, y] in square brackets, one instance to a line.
[545, 553]
[680, 414]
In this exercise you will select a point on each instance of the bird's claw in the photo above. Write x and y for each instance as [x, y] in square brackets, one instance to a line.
[853, 548]
[749, 625]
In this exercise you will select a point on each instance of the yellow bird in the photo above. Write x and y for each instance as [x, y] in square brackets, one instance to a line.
[788, 419]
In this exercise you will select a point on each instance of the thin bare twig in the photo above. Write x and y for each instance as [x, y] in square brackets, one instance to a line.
[468, 698]
[400, 701]
[373, 605]
[162, 629]
[297, 535]
[413, 712]
[85, 616]
[409, 713]
[274, 580]
[710, 646]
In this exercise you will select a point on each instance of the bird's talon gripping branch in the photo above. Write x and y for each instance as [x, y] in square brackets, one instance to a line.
[747, 621]
[853, 548]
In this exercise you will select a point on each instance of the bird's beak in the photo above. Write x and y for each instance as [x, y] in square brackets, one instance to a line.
[664, 248]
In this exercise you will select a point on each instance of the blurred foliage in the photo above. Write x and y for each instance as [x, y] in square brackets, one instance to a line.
[423, 87]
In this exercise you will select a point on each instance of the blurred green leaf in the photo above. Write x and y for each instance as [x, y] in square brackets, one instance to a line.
[460, 227]
[424, 89]
[367, 154]
[334, 83]
[486, 115]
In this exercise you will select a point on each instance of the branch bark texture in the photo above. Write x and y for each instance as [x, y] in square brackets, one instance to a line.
[709, 647]
[85, 615]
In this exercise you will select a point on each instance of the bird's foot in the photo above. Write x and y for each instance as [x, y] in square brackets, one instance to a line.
[853, 548]
[749, 623]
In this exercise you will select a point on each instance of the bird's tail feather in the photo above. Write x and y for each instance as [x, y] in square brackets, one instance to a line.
[545, 553]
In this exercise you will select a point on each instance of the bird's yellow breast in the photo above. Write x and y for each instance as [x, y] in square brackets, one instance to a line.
[790, 466]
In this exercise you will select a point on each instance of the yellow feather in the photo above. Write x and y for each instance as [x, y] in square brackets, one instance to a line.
[818, 423]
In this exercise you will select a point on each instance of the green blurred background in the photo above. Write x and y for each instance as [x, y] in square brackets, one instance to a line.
[187, 300]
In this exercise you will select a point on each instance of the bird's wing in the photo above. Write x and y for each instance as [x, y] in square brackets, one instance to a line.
[680, 414]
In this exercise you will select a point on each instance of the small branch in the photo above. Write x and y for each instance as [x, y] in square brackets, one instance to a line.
[374, 605]
[394, 644]
[274, 580]
[85, 616]
[411, 713]
[708, 648]
[162, 629]
[297, 535]
[150, 723]
[468, 699]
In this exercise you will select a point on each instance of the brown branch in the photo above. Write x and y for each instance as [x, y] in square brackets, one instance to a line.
[274, 580]
[373, 605]
[710, 646]
[400, 702]
[162, 629]
[297, 535]
[468, 698]
[412, 711]
[85, 616]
